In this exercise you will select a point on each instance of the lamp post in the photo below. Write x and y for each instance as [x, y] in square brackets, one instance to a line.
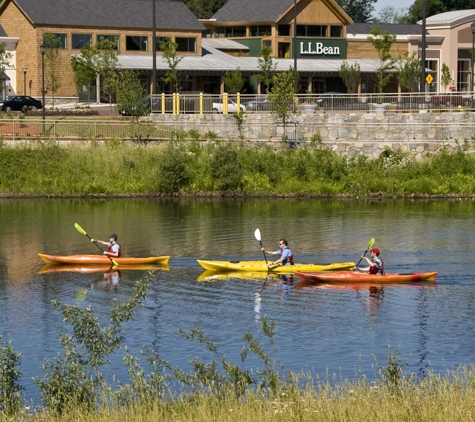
[297, 82]
[43, 51]
[154, 50]
[423, 55]
[473, 55]
[24, 80]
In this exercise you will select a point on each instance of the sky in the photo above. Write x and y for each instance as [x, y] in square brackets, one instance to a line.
[398, 5]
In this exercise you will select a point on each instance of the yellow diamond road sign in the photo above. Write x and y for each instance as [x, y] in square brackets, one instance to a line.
[429, 79]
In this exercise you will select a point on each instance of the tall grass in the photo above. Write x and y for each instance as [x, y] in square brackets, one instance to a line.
[183, 167]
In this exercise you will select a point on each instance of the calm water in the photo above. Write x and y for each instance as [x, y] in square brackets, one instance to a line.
[318, 329]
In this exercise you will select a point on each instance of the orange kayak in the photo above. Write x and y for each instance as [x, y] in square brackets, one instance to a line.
[355, 277]
[101, 260]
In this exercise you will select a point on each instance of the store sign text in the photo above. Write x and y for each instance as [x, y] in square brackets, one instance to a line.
[318, 49]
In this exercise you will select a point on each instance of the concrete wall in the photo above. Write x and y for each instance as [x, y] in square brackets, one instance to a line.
[349, 134]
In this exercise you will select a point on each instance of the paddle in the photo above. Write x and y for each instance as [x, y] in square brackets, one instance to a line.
[370, 244]
[257, 234]
[82, 231]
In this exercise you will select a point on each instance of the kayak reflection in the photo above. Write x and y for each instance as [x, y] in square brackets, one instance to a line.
[88, 269]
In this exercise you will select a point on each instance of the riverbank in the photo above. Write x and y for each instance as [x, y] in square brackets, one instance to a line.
[183, 168]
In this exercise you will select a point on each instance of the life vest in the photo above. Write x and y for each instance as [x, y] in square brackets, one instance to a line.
[290, 259]
[375, 269]
[112, 251]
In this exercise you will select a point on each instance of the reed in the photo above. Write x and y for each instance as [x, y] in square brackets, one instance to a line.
[187, 168]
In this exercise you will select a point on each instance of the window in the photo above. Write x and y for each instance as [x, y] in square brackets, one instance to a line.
[260, 30]
[80, 40]
[206, 33]
[186, 44]
[235, 31]
[336, 31]
[283, 30]
[111, 38]
[136, 43]
[219, 32]
[433, 64]
[311, 30]
[159, 40]
[61, 40]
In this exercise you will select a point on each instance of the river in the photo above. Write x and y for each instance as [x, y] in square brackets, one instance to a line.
[320, 329]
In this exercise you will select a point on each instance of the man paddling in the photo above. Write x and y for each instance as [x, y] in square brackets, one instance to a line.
[376, 265]
[114, 249]
[286, 255]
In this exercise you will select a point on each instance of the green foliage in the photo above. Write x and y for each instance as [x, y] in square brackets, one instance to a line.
[351, 75]
[74, 378]
[382, 42]
[5, 57]
[391, 14]
[106, 65]
[84, 68]
[445, 77]
[130, 94]
[239, 117]
[225, 168]
[358, 10]
[52, 63]
[168, 48]
[172, 169]
[392, 373]
[267, 66]
[409, 71]
[282, 95]
[10, 387]
[234, 81]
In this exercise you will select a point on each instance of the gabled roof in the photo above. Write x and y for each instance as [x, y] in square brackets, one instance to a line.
[450, 19]
[392, 28]
[252, 10]
[108, 13]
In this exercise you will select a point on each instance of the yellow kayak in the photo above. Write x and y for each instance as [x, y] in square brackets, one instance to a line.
[260, 266]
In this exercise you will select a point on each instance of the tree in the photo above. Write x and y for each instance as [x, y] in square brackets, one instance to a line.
[382, 42]
[390, 14]
[106, 66]
[84, 68]
[445, 78]
[351, 75]
[204, 9]
[233, 81]
[5, 57]
[409, 74]
[281, 96]
[52, 63]
[168, 48]
[358, 10]
[433, 7]
[267, 66]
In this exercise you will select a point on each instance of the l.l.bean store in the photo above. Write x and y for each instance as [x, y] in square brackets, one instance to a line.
[315, 36]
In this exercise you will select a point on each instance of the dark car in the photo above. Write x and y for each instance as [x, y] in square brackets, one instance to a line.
[141, 109]
[17, 102]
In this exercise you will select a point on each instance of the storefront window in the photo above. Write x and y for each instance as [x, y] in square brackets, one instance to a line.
[433, 65]
[463, 75]
[111, 38]
[80, 40]
[235, 31]
[186, 44]
[336, 31]
[283, 30]
[311, 30]
[61, 40]
[260, 30]
[136, 43]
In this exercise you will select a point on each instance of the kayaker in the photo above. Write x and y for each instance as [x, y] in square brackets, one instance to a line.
[286, 255]
[114, 249]
[376, 265]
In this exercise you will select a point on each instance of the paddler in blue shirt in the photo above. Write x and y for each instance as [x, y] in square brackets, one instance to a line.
[286, 255]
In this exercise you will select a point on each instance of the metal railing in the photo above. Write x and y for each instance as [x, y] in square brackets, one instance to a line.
[200, 103]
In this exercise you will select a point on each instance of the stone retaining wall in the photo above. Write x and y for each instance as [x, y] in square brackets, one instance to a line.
[347, 133]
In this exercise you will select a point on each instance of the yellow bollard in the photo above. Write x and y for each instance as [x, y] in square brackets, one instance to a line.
[225, 103]
[238, 102]
[177, 103]
[460, 108]
[201, 103]
[163, 103]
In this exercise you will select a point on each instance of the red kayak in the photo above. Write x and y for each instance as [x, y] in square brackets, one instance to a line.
[355, 277]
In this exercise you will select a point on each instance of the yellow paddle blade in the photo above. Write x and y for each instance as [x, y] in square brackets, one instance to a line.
[370, 244]
[115, 263]
[80, 229]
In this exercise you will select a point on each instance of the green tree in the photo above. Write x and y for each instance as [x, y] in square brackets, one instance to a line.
[234, 81]
[52, 63]
[433, 7]
[282, 95]
[351, 75]
[204, 9]
[445, 78]
[409, 71]
[5, 57]
[106, 66]
[358, 10]
[267, 66]
[390, 14]
[168, 48]
[84, 68]
[382, 42]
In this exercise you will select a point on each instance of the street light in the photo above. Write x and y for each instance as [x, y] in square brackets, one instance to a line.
[24, 80]
[43, 51]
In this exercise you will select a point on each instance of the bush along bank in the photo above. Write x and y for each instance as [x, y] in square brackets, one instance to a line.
[73, 387]
[187, 168]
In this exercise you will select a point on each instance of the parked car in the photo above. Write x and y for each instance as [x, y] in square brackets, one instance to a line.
[144, 107]
[232, 106]
[258, 104]
[17, 102]
[449, 99]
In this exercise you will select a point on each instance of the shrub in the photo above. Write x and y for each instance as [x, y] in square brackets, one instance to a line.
[225, 168]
